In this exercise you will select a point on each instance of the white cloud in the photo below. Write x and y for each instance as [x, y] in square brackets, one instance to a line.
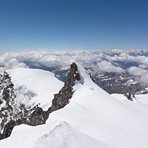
[126, 57]
[8, 61]
[140, 72]
[98, 61]
[144, 78]
[137, 71]
[106, 66]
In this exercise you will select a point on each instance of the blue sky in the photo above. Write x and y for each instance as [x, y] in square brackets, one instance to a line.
[73, 24]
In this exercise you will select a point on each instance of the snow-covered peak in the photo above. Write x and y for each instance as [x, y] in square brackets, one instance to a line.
[82, 71]
[92, 118]
[39, 85]
[96, 113]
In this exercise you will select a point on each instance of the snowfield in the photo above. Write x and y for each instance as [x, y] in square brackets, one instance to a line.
[53, 135]
[42, 84]
[92, 119]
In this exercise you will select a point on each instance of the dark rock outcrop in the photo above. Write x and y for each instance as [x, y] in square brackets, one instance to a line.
[8, 109]
[12, 114]
[62, 98]
[129, 96]
[38, 117]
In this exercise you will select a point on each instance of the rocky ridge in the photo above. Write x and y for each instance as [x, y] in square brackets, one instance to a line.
[12, 114]
[65, 94]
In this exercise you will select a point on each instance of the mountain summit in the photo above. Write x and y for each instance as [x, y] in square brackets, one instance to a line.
[81, 113]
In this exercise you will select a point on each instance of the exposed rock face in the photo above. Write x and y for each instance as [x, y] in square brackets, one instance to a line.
[7, 105]
[12, 114]
[65, 94]
[60, 99]
[38, 117]
[129, 96]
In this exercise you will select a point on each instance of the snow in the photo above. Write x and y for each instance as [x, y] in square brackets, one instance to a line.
[99, 115]
[64, 136]
[92, 119]
[39, 85]
[53, 135]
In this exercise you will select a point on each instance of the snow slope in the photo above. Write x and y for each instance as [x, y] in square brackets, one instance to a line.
[38, 85]
[92, 119]
[99, 115]
[53, 135]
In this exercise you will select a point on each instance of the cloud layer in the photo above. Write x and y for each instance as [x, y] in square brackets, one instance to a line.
[133, 62]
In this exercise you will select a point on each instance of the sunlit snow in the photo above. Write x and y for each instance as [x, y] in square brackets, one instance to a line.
[92, 119]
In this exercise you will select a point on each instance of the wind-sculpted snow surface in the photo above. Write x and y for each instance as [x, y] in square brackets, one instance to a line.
[52, 135]
[65, 136]
[97, 114]
[93, 118]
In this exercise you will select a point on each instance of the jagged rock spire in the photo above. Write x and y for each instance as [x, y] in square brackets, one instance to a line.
[62, 98]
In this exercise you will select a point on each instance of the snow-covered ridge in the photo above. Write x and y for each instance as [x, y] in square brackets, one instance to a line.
[93, 118]
[40, 84]
[25, 95]
[54, 135]
[96, 113]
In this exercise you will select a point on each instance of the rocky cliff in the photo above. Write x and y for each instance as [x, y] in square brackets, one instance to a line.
[12, 114]
[62, 98]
